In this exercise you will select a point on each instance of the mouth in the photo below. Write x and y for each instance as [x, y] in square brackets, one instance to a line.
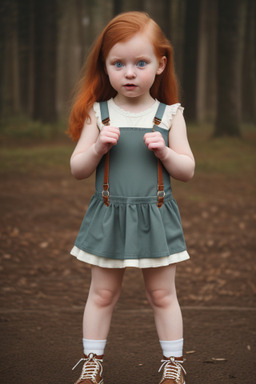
[130, 86]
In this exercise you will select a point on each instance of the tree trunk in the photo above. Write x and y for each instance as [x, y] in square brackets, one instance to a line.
[191, 58]
[249, 65]
[25, 18]
[117, 7]
[45, 44]
[177, 36]
[69, 51]
[9, 84]
[229, 68]
[160, 12]
[206, 72]
[31, 60]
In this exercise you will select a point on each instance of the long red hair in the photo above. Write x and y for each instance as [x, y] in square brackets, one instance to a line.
[94, 84]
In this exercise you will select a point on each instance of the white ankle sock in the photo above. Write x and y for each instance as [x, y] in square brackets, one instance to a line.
[94, 346]
[172, 348]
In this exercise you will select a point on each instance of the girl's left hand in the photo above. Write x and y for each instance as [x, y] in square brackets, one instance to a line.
[155, 142]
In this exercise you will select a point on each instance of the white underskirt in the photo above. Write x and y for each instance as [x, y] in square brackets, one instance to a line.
[134, 263]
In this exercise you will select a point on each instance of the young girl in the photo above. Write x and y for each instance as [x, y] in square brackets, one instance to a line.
[130, 128]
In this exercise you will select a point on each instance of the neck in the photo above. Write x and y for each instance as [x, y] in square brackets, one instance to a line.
[134, 104]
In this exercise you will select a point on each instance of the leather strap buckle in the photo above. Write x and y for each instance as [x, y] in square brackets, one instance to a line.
[157, 121]
[105, 191]
[160, 194]
[106, 121]
[105, 195]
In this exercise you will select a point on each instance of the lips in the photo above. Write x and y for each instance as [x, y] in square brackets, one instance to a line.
[130, 86]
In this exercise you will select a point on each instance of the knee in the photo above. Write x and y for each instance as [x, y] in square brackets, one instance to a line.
[161, 298]
[106, 297]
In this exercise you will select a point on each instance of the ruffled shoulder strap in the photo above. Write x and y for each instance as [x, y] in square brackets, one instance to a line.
[170, 112]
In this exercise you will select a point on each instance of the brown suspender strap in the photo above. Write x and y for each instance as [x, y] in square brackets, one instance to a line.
[105, 191]
[160, 185]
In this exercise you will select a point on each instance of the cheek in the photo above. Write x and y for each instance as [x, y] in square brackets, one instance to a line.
[113, 78]
[148, 78]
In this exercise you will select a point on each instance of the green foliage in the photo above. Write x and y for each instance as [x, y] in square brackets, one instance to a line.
[22, 129]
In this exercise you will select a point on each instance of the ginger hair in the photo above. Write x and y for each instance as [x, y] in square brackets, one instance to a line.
[94, 84]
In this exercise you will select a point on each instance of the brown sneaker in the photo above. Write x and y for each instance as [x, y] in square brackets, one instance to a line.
[92, 370]
[173, 371]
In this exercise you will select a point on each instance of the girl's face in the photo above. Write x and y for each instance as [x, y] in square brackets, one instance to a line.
[132, 67]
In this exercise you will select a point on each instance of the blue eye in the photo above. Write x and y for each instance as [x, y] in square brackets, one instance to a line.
[118, 64]
[141, 63]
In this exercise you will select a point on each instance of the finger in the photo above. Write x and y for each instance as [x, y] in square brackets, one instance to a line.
[153, 136]
[109, 140]
[109, 128]
[110, 135]
[155, 142]
[110, 131]
[152, 133]
[155, 148]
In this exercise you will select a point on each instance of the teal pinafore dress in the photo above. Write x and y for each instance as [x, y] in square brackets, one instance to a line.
[132, 226]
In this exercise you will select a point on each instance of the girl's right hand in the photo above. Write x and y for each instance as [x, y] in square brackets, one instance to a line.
[91, 146]
[108, 137]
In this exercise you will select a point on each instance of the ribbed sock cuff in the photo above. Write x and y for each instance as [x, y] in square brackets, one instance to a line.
[172, 348]
[94, 346]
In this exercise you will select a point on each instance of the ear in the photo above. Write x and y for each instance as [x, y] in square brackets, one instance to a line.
[162, 65]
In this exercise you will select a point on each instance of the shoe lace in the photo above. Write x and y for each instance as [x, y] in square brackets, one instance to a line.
[172, 369]
[91, 367]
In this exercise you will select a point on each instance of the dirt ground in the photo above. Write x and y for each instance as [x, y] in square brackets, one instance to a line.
[43, 288]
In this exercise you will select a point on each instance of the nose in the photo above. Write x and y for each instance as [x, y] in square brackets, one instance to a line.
[130, 72]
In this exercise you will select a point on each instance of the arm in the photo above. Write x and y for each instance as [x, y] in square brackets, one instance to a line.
[92, 145]
[177, 159]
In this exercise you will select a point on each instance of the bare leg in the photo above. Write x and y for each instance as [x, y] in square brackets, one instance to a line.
[161, 293]
[104, 292]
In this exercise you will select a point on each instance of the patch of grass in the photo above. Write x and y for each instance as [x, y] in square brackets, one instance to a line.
[23, 129]
[31, 146]
[35, 159]
[223, 155]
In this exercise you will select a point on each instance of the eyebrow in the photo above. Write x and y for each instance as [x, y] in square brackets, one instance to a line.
[140, 57]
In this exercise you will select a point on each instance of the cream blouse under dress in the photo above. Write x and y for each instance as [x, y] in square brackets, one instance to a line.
[132, 231]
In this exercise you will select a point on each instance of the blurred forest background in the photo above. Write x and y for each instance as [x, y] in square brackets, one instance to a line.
[43, 45]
